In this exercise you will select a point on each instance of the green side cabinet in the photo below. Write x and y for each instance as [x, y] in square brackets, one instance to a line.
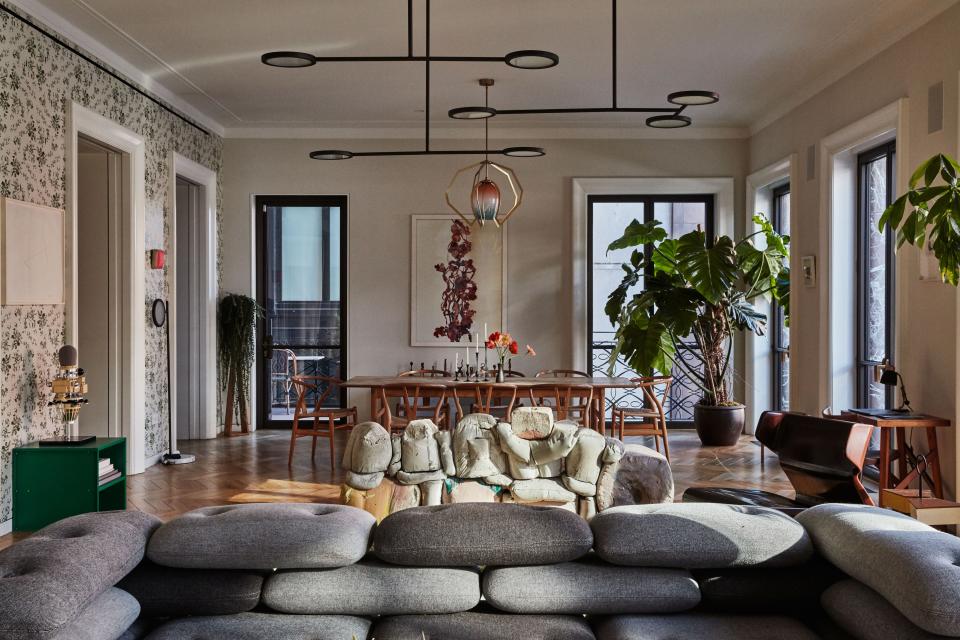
[52, 483]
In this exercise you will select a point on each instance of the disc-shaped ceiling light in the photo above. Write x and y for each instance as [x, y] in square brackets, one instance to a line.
[472, 113]
[691, 98]
[289, 59]
[524, 152]
[331, 154]
[531, 59]
[675, 121]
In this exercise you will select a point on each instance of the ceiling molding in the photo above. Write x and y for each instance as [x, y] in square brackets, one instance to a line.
[843, 69]
[53, 20]
[549, 132]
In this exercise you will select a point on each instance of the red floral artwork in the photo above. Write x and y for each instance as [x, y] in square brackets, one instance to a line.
[460, 289]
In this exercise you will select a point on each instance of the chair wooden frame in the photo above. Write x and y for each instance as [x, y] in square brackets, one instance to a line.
[318, 413]
[561, 373]
[563, 396]
[286, 377]
[484, 394]
[651, 411]
[410, 405]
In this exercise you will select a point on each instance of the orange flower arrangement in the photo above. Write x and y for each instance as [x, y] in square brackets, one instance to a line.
[505, 346]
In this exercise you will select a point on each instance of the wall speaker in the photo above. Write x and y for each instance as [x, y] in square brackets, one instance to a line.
[935, 107]
[811, 162]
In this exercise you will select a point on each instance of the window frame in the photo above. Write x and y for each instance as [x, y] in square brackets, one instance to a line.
[888, 151]
[777, 349]
[648, 201]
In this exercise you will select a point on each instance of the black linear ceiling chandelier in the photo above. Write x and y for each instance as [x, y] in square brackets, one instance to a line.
[523, 59]
[668, 118]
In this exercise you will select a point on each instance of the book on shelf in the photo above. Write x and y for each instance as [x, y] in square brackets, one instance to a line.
[105, 464]
[107, 478]
[106, 471]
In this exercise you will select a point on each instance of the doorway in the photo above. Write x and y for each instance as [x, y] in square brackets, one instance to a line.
[190, 309]
[101, 199]
[301, 285]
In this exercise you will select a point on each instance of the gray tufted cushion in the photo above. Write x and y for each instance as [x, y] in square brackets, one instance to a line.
[481, 626]
[169, 593]
[914, 566]
[49, 578]
[263, 626]
[264, 536]
[374, 588]
[699, 536]
[106, 618]
[469, 534]
[701, 625]
[788, 590]
[591, 587]
[863, 613]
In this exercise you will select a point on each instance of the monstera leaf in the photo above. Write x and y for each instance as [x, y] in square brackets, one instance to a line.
[744, 316]
[639, 233]
[709, 270]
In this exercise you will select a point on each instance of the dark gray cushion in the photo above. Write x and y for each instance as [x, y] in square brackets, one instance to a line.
[701, 625]
[140, 629]
[699, 536]
[468, 534]
[264, 536]
[481, 626]
[169, 593]
[913, 566]
[106, 618]
[589, 586]
[261, 626]
[789, 590]
[374, 588]
[863, 613]
[49, 578]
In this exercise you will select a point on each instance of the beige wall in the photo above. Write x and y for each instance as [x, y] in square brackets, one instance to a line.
[385, 191]
[927, 327]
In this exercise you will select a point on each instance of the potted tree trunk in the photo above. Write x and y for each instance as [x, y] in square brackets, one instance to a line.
[236, 344]
[694, 297]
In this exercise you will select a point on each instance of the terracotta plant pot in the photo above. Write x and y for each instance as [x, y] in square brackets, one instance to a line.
[718, 426]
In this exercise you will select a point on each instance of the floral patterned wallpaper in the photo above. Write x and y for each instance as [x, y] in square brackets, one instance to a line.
[38, 79]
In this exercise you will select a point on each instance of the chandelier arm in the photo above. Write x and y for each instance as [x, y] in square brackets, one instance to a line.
[426, 100]
[613, 40]
[513, 181]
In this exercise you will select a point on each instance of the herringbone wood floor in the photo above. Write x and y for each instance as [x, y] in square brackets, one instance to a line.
[253, 468]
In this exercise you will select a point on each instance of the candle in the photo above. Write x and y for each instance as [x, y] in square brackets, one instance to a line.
[478, 345]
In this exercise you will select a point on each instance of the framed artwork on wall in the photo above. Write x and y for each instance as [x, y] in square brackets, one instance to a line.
[458, 280]
[32, 253]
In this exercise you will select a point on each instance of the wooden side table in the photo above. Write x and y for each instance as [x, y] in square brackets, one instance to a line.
[902, 452]
[52, 483]
[926, 509]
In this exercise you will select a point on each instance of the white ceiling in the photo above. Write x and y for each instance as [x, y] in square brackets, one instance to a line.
[762, 56]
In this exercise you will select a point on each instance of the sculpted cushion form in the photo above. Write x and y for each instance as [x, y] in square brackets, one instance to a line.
[699, 536]
[590, 587]
[701, 625]
[49, 578]
[481, 626]
[260, 626]
[164, 592]
[264, 536]
[863, 613]
[512, 534]
[106, 618]
[913, 566]
[374, 588]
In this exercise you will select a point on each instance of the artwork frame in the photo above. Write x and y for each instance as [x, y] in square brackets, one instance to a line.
[32, 254]
[426, 283]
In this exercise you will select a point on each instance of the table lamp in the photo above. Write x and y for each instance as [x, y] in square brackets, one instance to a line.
[889, 377]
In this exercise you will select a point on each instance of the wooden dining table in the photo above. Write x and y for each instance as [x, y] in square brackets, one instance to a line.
[600, 384]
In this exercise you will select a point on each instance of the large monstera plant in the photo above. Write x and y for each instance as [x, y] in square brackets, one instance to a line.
[934, 214]
[694, 291]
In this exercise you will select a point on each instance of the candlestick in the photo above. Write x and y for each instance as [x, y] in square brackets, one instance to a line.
[478, 366]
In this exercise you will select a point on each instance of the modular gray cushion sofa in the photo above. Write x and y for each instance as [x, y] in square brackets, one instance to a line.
[483, 571]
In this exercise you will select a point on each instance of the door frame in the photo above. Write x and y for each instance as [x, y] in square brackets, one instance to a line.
[206, 178]
[257, 273]
[81, 120]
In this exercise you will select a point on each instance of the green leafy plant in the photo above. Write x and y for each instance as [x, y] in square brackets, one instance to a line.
[934, 214]
[236, 345]
[694, 292]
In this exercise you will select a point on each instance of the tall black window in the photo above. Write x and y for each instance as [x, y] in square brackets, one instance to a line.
[608, 216]
[780, 335]
[875, 273]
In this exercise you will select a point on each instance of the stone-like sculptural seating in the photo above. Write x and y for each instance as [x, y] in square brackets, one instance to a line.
[531, 460]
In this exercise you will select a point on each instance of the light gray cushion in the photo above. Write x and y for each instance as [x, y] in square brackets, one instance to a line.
[260, 626]
[589, 586]
[164, 592]
[913, 566]
[699, 536]
[863, 613]
[106, 618]
[701, 625]
[481, 626]
[468, 534]
[49, 578]
[374, 588]
[264, 536]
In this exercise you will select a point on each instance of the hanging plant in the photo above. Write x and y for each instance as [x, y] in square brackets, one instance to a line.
[934, 218]
[236, 345]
